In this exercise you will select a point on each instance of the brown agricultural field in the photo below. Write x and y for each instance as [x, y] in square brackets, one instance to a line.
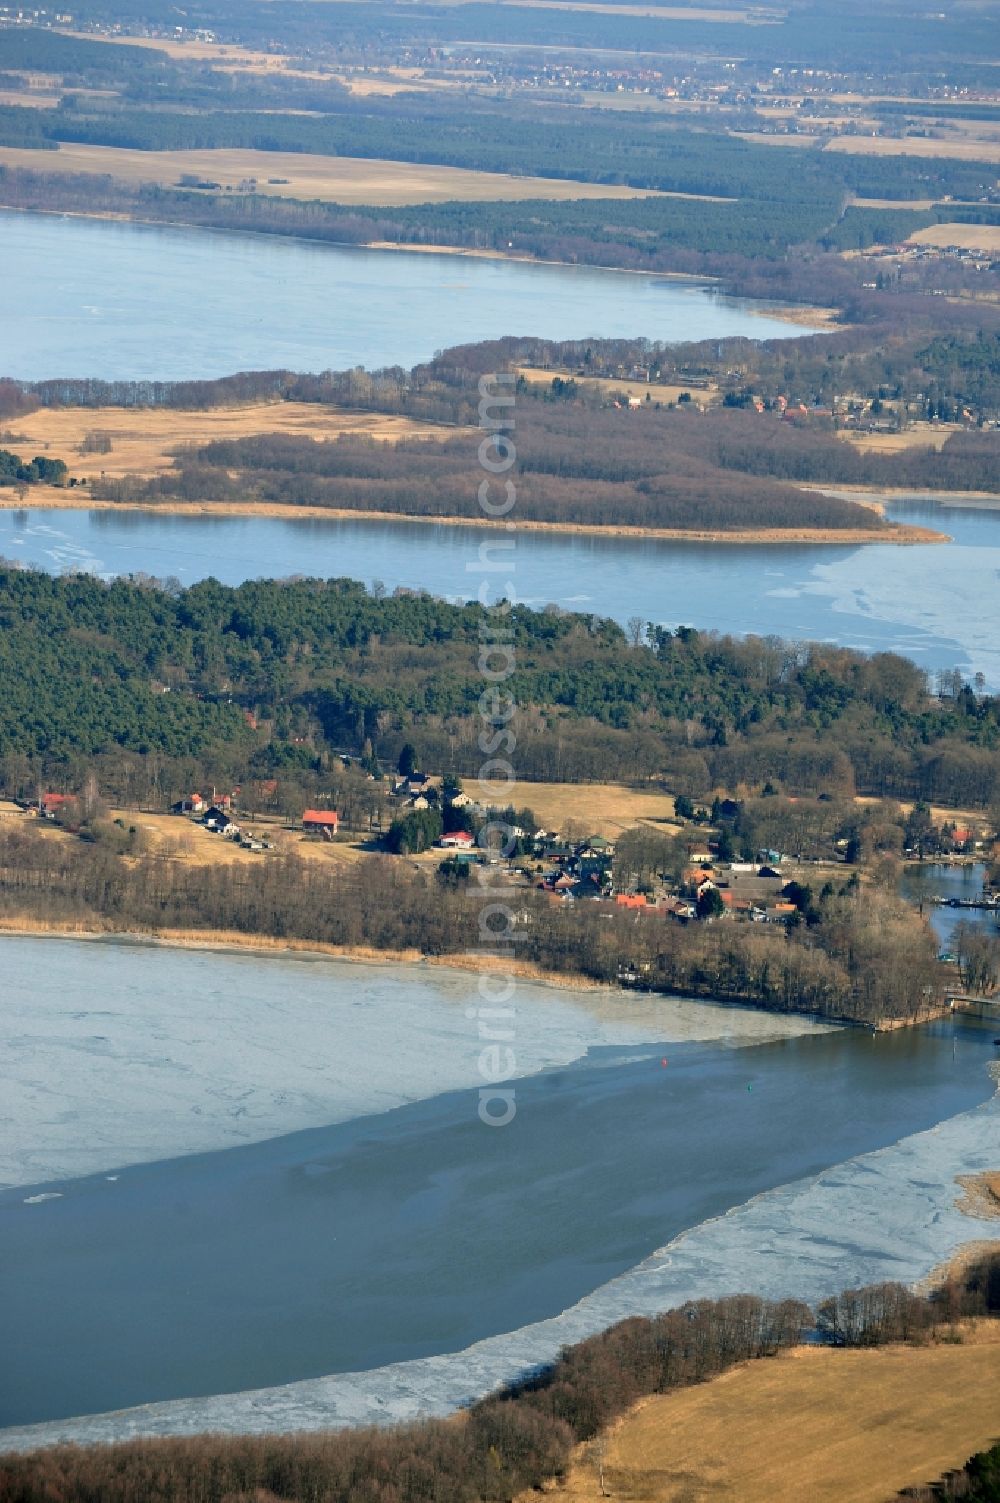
[29, 99]
[977, 237]
[965, 150]
[917, 436]
[986, 149]
[197, 52]
[344, 180]
[186, 840]
[814, 1423]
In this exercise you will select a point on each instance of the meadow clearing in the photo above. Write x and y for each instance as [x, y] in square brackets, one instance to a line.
[977, 237]
[814, 1423]
[303, 175]
[143, 439]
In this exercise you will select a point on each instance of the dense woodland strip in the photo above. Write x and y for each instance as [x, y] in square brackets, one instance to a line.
[504, 1445]
[164, 689]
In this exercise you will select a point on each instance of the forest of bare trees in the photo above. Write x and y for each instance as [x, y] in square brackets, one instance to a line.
[865, 956]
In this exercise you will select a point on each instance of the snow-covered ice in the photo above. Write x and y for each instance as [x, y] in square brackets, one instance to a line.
[116, 1054]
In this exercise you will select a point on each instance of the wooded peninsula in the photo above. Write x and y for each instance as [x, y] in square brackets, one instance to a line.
[306, 693]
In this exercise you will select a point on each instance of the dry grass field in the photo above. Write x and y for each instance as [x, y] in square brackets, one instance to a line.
[970, 819]
[978, 237]
[893, 203]
[30, 99]
[395, 81]
[598, 808]
[815, 1424]
[967, 149]
[917, 436]
[142, 440]
[200, 52]
[345, 180]
[185, 840]
[659, 391]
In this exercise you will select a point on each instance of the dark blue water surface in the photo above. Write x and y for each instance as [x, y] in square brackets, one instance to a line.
[420, 1231]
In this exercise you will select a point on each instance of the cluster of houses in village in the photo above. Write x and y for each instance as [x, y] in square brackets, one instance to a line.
[216, 814]
[749, 890]
[564, 870]
[753, 891]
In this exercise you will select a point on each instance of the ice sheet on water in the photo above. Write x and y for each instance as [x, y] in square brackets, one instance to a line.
[884, 1215]
[119, 1054]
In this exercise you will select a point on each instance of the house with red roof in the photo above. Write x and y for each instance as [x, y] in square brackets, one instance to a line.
[325, 822]
[457, 840]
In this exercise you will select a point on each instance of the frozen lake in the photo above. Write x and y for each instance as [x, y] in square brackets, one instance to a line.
[936, 604]
[82, 297]
[405, 1230]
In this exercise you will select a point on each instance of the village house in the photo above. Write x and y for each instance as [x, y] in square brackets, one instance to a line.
[698, 879]
[678, 908]
[323, 822]
[457, 840]
[53, 803]
[192, 804]
[217, 819]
